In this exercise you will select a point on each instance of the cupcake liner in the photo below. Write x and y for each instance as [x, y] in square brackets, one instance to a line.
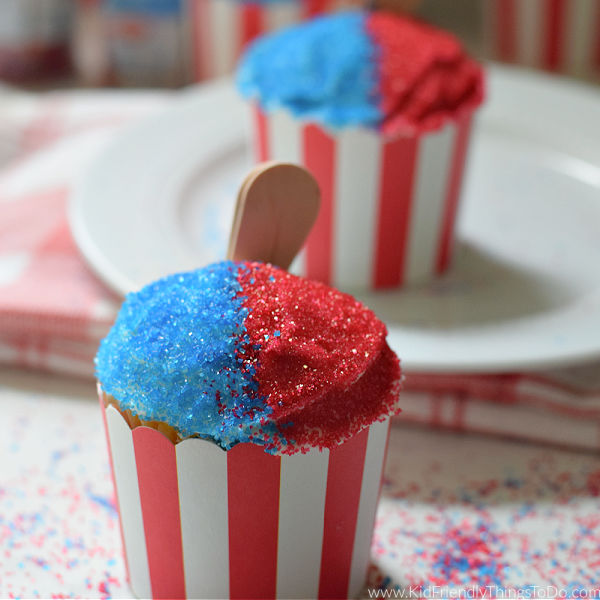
[220, 29]
[388, 205]
[201, 522]
[555, 35]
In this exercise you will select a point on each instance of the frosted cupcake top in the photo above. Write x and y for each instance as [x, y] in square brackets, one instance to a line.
[372, 69]
[246, 352]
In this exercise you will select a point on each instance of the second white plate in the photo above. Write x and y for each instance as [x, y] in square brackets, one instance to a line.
[524, 291]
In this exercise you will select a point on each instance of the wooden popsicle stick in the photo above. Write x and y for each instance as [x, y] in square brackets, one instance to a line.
[276, 208]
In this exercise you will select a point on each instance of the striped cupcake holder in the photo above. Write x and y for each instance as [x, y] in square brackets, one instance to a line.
[390, 183]
[201, 522]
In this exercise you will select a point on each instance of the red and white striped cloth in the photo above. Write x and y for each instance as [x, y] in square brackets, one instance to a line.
[199, 522]
[388, 206]
[53, 310]
[559, 407]
[220, 29]
[555, 35]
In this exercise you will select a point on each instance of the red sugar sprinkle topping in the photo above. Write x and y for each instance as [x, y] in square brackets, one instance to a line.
[425, 75]
[323, 364]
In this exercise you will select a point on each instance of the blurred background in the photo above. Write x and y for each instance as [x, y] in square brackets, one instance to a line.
[170, 43]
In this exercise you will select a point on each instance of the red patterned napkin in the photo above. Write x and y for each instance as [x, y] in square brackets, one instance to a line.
[559, 407]
[54, 311]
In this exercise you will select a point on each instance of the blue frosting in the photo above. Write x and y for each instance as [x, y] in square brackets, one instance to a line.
[173, 356]
[324, 70]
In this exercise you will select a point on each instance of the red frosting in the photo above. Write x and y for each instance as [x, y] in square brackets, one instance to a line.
[321, 358]
[425, 75]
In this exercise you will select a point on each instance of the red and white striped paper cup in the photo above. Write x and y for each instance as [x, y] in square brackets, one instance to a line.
[388, 204]
[555, 35]
[220, 29]
[201, 522]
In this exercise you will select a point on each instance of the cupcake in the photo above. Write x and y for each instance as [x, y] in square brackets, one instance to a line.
[247, 412]
[220, 29]
[378, 107]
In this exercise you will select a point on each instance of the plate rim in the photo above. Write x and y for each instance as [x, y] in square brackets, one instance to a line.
[121, 282]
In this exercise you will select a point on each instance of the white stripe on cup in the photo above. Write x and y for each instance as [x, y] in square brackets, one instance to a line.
[202, 477]
[580, 29]
[301, 517]
[433, 167]
[284, 137]
[369, 495]
[225, 35]
[357, 178]
[529, 31]
[130, 508]
[280, 14]
[298, 266]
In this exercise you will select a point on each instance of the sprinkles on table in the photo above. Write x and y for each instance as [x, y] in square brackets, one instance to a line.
[486, 518]
[458, 510]
[59, 530]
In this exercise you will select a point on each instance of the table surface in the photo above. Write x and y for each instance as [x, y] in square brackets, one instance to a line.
[459, 510]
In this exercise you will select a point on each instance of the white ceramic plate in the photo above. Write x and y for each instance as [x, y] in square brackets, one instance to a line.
[524, 291]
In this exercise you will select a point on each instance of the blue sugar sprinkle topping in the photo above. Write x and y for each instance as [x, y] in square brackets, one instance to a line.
[324, 70]
[173, 355]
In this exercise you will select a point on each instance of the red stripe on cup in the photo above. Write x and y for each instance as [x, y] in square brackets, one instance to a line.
[159, 497]
[252, 22]
[554, 38]
[506, 29]
[261, 129]
[320, 159]
[112, 476]
[253, 503]
[197, 26]
[395, 198]
[459, 156]
[344, 478]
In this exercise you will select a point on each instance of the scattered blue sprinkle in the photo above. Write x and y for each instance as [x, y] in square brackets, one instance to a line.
[104, 502]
